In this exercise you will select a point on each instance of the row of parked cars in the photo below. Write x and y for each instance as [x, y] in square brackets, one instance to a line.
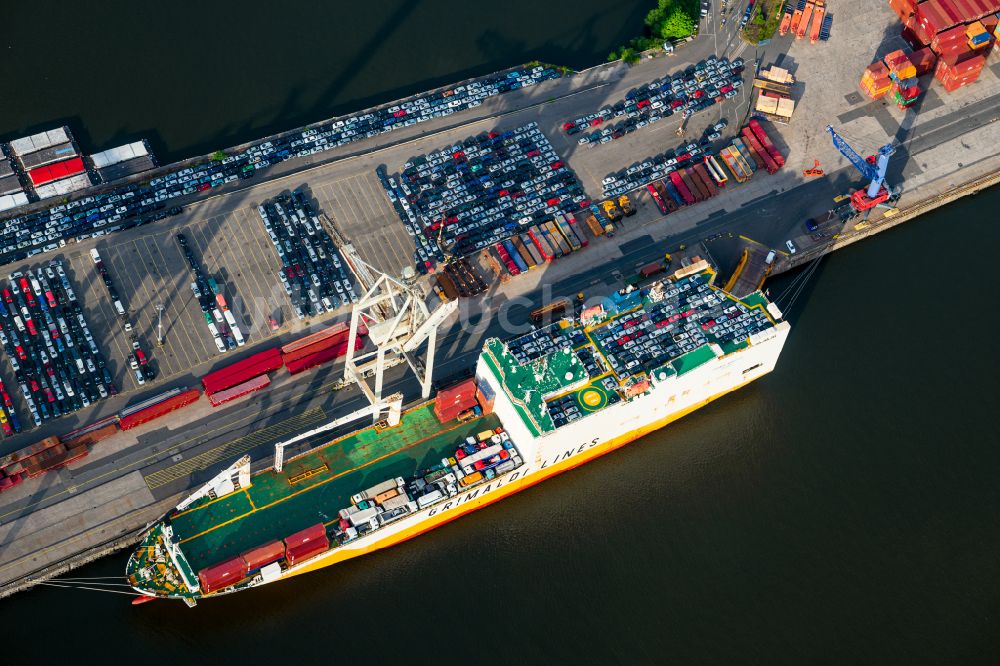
[133, 204]
[137, 359]
[657, 166]
[689, 315]
[471, 195]
[701, 86]
[220, 321]
[312, 270]
[48, 344]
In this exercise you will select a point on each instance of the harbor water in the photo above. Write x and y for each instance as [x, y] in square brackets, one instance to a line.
[841, 510]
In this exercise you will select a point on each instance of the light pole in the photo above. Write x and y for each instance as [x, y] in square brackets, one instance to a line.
[159, 324]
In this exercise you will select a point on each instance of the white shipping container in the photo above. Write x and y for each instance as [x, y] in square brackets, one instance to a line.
[120, 154]
[9, 201]
[36, 142]
[395, 502]
[370, 493]
[65, 186]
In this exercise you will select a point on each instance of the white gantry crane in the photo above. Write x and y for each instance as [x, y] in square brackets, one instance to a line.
[399, 324]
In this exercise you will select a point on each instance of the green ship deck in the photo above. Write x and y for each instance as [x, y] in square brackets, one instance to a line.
[314, 487]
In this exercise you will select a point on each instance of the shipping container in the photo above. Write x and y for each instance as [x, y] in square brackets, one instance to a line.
[331, 331]
[220, 576]
[657, 199]
[341, 337]
[552, 243]
[556, 237]
[757, 149]
[330, 353]
[445, 283]
[748, 163]
[692, 188]
[160, 409]
[693, 181]
[800, 29]
[304, 552]
[57, 171]
[10, 185]
[668, 193]
[904, 9]
[363, 516]
[395, 502]
[261, 556]
[456, 398]
[312, 534]
[238, 391]
[515, 256]
[716, 171]
[731, 159]
[239, 372]
[923, 60]
[744, 147]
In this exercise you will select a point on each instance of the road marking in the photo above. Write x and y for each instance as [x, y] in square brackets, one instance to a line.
[234, 448]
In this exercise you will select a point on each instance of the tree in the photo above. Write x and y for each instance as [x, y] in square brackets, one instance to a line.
[677, 25]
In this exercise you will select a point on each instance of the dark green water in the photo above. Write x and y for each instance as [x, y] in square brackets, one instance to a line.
[841, 510]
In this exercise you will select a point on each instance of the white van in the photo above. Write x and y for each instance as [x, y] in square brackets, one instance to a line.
[119, 308]
[19, 323]
[95, 256]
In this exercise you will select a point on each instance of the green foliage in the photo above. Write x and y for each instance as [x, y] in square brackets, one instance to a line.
[669, 20]
[217, 156]
[765, 22]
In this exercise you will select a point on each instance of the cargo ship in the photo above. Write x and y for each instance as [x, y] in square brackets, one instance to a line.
[539, 404]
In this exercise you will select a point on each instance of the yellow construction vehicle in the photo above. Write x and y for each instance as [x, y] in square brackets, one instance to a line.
[626, 205]
[611, 210]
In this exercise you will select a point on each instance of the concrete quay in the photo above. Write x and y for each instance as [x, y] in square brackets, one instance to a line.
[62, 519]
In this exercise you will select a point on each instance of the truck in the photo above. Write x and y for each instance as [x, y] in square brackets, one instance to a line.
[594, 226]
[672, 193]
[765, 141]
[626, 205]
[660, 204]
[682, 188]
[696, 181]
[581, 235]
[751, 140]
[748, 160]
[377, 489]
[649, 270]
[541, 243]
[706, 179]
[567, 233]
[611, 210]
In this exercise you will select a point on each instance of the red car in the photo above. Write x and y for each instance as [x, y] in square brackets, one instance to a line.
[7, 296]
[676, 103]
[399, 114]
[140, 357]
[596, 121]
[566, 126]
[556, 165]
[725, 89]
[502, 455]
[20, 353]
[204, 186]
[49, 395]
[534, 153]
[51, 298]
[643, 104]
[7, 430]
[31, 326]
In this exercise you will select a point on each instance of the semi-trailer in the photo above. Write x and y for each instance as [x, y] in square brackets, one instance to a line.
[523, 251]
[595, 227]
[706, 179]
[239, 372]
[575, 227]
[538, 238]
[716, 171]
[748, 159]
[238, 391]
[695, 192]
[567, 235]
[751, 140]
[320, 357]
[672, 193]
[657, 199]
[515, 256]
[682, 188]
[765, 141]
[699, 186]
[159, 409]
[731, 157]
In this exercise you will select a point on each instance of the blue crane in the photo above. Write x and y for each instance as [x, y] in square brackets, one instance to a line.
[873, 171]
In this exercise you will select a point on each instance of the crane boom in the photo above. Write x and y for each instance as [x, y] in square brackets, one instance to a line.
[874, 173]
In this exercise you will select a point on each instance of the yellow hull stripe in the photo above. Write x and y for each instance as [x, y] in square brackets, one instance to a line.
[429, 523]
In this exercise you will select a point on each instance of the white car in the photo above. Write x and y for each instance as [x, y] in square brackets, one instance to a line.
[791, 246]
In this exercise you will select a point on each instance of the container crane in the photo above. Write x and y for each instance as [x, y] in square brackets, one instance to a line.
[873, 168]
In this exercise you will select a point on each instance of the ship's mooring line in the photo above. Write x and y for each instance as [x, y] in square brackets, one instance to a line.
[83, 587]
[792, 285]
[808, 274]
[71, 581]
[95, 578]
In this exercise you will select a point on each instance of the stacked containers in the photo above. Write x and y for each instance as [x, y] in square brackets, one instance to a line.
[875, 82]
[952, 43]
[905, 89]
[923, 60]
[454, 400]
[954, 74]
[305, 544]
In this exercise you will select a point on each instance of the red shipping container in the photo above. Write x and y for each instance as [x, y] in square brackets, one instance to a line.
[306, 362]
[239, 372]
[765, 141]
[64, 169]
[915, 33]
[159, 409]
[304, 552]
[947, 38]
[238, 391]
[305, 341]
[316, 346]
[934, 16]
[312, 534]
[455, 399]
[255, 558]
[923, 60]
[903, 8]
[222, 575]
